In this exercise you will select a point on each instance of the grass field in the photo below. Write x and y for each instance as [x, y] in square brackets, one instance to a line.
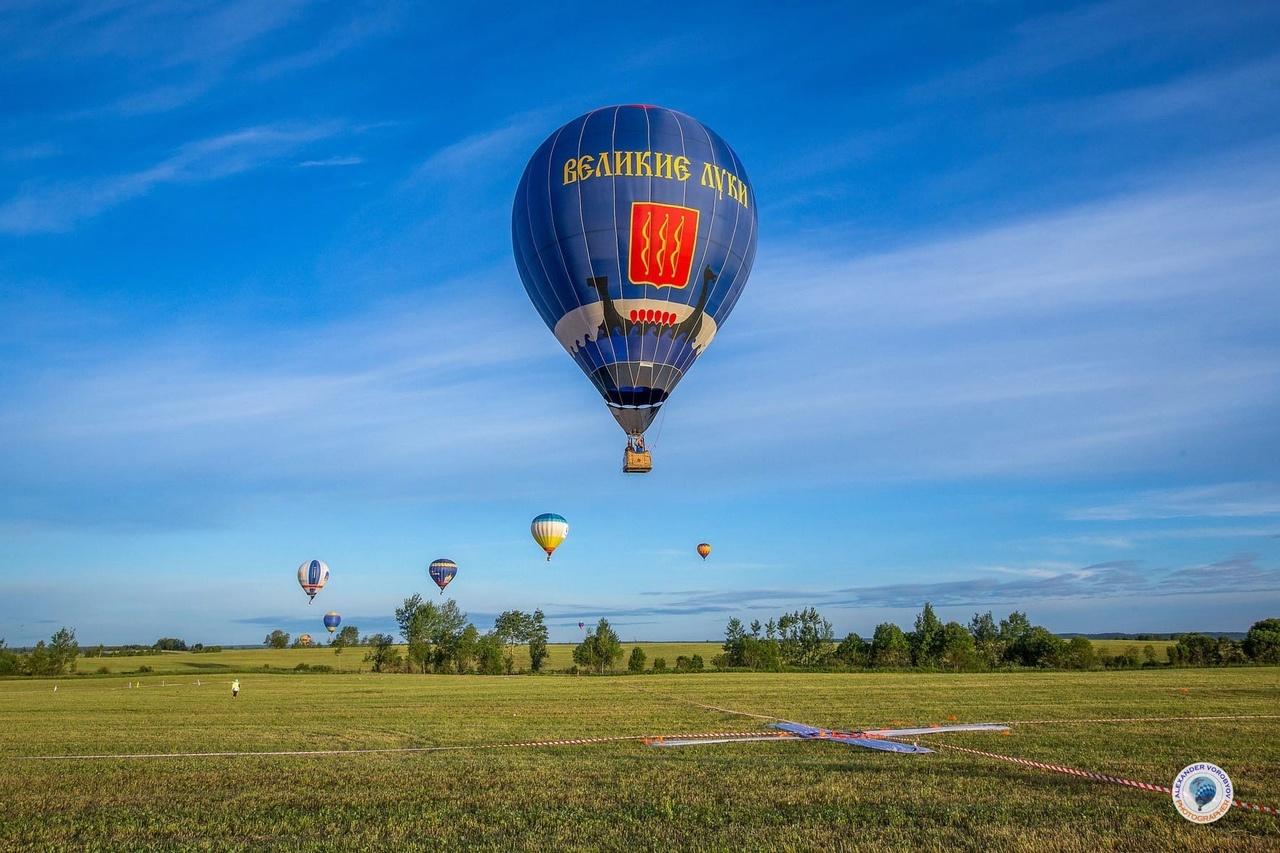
[351, 660]
[624, 795]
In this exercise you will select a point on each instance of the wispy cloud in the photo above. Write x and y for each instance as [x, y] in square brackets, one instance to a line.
[1118, 580]
[1027, 347]
[467, 154]
[329, 162]
[1222, 500]
[60, 206]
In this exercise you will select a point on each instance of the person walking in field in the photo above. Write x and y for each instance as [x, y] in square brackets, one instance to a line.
[235, 688]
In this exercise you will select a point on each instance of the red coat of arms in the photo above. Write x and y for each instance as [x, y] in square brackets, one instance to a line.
[663, 237]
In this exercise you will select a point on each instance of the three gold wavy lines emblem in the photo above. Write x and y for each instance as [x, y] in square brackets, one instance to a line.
[644, 232]
[663, 238]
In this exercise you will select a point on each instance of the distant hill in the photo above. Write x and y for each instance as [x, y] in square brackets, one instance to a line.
[1115, 635]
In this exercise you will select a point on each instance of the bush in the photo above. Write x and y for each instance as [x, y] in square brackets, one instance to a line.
[102, 670]
[313, 667]
[143, 668]
[659, 664]
[636, 661]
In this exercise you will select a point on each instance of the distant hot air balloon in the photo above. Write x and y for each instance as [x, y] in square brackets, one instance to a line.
[332, 620]
[704, 550]
[549, 530]
[442, 571]
[305, 641]
[634, 231]
[312, 576]
[582, 625]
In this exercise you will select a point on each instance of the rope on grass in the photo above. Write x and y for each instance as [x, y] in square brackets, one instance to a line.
[1091, 775]
[390, 750]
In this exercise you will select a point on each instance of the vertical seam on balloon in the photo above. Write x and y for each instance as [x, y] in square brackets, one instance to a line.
[737, 165]
[533, 241]
[564, 264]
[533, 238]
[586, 244]
[626, 337]
[684, 202]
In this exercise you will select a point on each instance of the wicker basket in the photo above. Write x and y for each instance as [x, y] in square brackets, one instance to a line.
[636, 462]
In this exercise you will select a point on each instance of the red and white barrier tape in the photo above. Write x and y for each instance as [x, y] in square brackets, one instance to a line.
[1089, 774]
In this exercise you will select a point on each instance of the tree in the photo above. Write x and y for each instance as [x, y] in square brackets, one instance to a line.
[1229, 652]
[889, 647]
[537, 641]
[958, 652]
[277, 639]
[659, 664]
[349, 635]
[1013, 629]
[1037, 647]
[804, 637]
[926, 639]
[170, 644]
[382, 652]
[511, 627]
[600, 649]
[1078, 653]
[9, 661]
[986, 639]
[1262, 642]
[432, 631]
[636, 662]
[468, 648]
[490, 659]
[1196, 650]
[762, 655]
[853, 651]
[734, 635]
[63, 650]
[696, 663]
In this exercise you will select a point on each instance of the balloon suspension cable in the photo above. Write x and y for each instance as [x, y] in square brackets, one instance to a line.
[662, 420]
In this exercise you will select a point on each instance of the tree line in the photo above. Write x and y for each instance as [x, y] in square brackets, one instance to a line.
[57, 657]
[439, 639]
[803, 639]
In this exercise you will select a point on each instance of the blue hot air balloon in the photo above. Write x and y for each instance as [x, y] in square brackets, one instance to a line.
[442, 571]
[332, 620]
[634, 230]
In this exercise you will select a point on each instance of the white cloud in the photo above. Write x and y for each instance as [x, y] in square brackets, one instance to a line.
[60, 206]
[1221, 500]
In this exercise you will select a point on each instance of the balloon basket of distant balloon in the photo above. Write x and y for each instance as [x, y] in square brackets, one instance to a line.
[636, 461]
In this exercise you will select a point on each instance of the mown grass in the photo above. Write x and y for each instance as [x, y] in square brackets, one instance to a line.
[624, 795]
[352, 659]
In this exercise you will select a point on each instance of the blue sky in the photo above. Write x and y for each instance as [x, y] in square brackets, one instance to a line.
[1012, 339]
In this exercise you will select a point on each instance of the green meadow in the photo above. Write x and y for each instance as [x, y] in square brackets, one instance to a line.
[351, 659]
[619, 794]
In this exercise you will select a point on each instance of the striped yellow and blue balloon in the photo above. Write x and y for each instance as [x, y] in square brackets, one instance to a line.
[332, 620]
[443, 571]
[634, 231]
[549, 530]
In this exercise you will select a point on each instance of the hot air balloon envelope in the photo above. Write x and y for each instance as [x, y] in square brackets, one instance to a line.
[704, 550]
[332, 620]
[442, 571]
[312, 576]
[634, 231]
[549, 530]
